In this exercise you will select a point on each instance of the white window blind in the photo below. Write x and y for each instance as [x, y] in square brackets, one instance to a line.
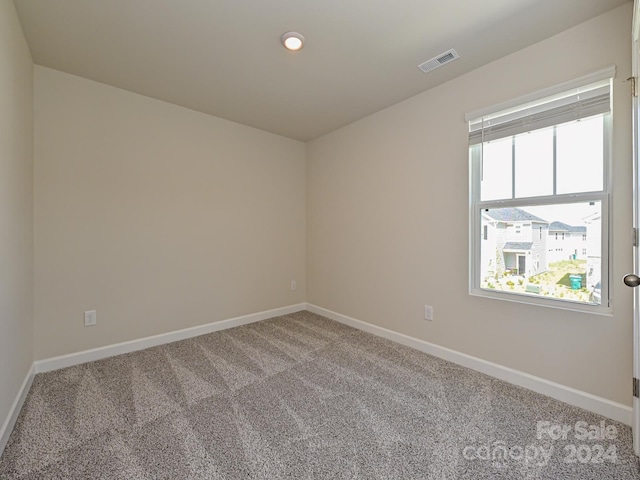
[584, 102]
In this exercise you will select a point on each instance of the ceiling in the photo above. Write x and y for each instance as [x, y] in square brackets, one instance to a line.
[224, 57]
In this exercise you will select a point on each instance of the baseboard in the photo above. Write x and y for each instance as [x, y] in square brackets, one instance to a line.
[602, 406]
[10, 421]
[70, 360]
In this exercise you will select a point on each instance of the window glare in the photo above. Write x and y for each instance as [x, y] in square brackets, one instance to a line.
[534, 163]
[580, 156]
[496, 170]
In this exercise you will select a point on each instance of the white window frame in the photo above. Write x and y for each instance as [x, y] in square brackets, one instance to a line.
[604, 196]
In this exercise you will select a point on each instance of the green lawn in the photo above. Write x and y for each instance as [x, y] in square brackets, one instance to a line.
[555, 282]
[558, 273]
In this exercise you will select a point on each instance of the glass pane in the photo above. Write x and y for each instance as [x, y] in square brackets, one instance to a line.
[496, 170]
[551, 251]
[580, 156]
[534, 163]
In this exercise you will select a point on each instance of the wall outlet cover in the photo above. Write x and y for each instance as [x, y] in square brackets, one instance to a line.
[90, 318]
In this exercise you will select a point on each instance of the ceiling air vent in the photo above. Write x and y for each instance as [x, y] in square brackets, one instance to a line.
[435, 62]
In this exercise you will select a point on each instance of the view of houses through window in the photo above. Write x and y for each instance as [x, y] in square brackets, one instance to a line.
[540, 197]
[552, 250]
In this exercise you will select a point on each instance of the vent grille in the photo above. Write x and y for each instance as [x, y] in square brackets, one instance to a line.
[435, 62]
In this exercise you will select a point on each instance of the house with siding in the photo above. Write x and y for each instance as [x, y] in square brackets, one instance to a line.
[513, 242]
[566, 242]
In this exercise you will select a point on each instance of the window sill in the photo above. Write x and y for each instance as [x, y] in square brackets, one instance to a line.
[543, 302]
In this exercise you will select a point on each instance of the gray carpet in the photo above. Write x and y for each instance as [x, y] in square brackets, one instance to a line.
[301, 397]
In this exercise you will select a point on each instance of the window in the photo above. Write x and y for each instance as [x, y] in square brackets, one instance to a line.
[542, 162]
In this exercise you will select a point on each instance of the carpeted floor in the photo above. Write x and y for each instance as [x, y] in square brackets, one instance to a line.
[301, 397]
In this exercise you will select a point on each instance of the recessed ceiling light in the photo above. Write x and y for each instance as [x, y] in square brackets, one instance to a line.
[292, 41]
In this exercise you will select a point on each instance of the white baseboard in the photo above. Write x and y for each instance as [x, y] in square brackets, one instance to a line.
[72, 359]
[10, 421]
[602, 406]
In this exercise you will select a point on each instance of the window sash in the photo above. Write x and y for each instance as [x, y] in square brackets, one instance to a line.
[475, 216]
[516, 169]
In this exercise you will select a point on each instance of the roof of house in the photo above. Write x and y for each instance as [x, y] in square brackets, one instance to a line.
[563, 227]
[512, 214]
[518, 246]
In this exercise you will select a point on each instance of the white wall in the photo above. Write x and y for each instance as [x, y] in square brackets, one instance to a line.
[387, 220]
[16, 207]
[158, 217]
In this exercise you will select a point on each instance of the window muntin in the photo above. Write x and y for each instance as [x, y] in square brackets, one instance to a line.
[554, 170]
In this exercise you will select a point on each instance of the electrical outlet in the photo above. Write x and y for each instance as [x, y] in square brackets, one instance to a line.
[294, 285]
[428, 312]
[90, 318]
